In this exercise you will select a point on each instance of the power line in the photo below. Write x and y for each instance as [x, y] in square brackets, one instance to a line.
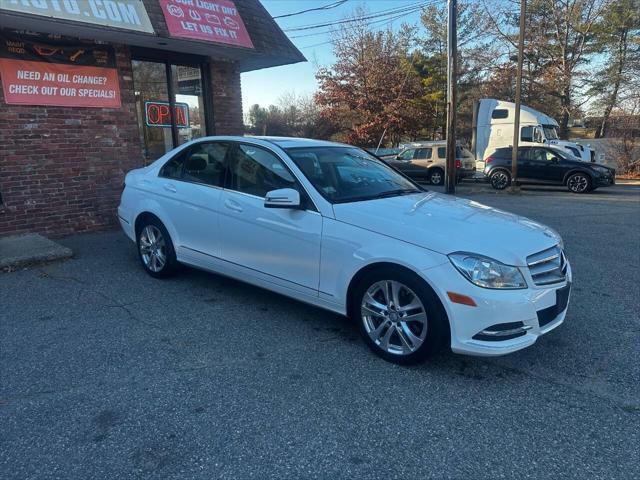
[382, 20]
[324, 7]
[381, 13]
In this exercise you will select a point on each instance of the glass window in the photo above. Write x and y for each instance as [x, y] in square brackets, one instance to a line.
[407, 154]
[257, 171]
[206, 163]
[152, 105]
[157, 114]
[500, 113]
[442, 152]
[526, 134]
[422, 154]
[539, 154]
[187, 85]
[202, 163]
[349, 174]
[550, 132]
[173, 168]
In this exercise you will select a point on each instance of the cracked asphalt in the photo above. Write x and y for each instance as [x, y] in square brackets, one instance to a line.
[108, 373]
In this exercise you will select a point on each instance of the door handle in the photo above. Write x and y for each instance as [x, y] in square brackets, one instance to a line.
[169, 188]
[233, 205]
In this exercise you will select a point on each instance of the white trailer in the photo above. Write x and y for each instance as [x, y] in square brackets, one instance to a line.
[493, 123]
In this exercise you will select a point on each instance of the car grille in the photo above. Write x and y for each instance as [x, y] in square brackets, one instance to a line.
[548, 266]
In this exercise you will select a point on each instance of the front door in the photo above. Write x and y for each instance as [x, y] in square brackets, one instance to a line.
[279, 245]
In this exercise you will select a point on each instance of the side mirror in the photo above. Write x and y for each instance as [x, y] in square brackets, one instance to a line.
[283, 198]
[555, 160]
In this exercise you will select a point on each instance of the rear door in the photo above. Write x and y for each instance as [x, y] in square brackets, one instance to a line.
[422, 160]
[531, 163]
[190, 189]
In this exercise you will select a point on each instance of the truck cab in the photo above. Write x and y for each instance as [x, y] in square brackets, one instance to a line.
[493, 128]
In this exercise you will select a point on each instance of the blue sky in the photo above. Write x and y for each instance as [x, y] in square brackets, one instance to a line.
[266, 86]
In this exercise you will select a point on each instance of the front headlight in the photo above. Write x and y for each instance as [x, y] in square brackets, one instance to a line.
[486, 272]
[599, 169]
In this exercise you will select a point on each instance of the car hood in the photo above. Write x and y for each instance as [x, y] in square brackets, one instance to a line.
[448, 224]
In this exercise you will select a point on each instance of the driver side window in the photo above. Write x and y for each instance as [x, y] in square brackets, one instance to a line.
[526, 134]
[257, 171]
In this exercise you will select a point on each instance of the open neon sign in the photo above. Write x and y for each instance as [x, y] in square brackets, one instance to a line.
[158, 114]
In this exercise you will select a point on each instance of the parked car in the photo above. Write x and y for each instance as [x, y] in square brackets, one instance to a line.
[426, 161]
[330, 225]
[549, 166]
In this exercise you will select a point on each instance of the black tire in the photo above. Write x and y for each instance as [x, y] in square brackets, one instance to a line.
[437, 325]
[500, 179]
[579, 183]
[436, 176]
[164, 248]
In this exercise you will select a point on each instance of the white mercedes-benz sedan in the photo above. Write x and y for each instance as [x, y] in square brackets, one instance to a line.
[330, 225]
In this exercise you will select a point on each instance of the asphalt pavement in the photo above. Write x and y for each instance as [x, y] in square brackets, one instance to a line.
[108, 373]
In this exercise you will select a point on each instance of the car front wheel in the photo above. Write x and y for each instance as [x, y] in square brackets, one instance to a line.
[155, 248]
[579, 183]
[399, 316]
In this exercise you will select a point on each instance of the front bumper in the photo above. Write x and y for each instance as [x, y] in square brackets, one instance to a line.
[605, 180]
[527, 310]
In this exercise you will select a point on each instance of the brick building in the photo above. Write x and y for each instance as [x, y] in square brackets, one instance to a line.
[94, 88]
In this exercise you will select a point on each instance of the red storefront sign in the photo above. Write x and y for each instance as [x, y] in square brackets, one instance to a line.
[209, 20]
[158, 114]
[40, 83]
[39, 70]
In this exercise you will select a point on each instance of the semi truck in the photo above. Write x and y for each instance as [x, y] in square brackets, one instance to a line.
[493, 123]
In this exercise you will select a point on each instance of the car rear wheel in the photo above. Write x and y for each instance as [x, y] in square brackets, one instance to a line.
[579, 183]
[155, 248]
[436, 176]
[500, 179]
[399, 316]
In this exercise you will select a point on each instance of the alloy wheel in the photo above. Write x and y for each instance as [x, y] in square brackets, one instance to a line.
[578, 183]
[394, 317]
[499, 180]
[153, 248]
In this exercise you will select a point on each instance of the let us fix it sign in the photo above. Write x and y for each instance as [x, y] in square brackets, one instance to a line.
[208, 20]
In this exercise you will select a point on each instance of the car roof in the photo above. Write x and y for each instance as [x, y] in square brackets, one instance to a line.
[293, 142]
[282, 142]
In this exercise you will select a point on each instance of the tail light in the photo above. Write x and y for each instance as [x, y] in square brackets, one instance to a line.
[488, 160]
[458, 164]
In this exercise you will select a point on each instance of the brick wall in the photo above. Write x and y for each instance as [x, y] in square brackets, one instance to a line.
[227, 98]
[61, 169]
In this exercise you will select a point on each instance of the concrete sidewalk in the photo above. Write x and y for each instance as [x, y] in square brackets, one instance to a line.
[19, 251]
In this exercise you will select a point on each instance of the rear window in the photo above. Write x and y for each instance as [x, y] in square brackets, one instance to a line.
[502, 153]
[442, 152]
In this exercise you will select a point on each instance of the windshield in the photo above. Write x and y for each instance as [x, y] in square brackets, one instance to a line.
[550, 132]
[348, 174]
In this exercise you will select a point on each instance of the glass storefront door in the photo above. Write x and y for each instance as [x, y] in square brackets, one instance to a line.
[169, 103]
[187, 85]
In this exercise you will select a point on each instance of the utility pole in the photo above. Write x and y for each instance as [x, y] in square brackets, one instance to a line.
[516, 123]
[452, 79]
